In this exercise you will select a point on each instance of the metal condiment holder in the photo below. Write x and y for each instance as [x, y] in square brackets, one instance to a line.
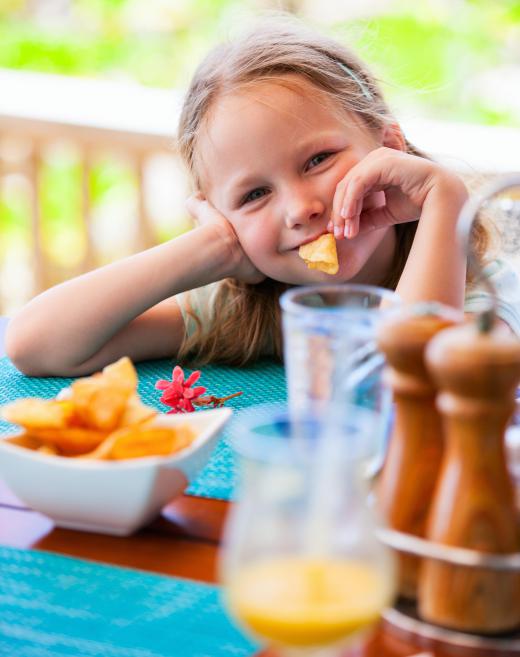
[404, 618]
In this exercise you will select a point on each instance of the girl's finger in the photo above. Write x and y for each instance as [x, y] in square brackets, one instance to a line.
[375, 172]
[356, 191]
[373, 200]
[353, 188]
[192, 206]
[364, 181]
[201, 210]
[352, 223]
[337, 222]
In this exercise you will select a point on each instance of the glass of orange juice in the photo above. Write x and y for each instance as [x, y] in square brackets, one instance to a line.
[302, 568]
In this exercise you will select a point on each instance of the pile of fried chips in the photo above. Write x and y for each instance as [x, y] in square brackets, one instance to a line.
[100, 417]
[321, 254]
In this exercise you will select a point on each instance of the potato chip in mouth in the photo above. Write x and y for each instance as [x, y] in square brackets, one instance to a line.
[321, 254]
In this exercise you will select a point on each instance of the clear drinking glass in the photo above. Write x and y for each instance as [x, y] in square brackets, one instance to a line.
[302, 568]
[331, 355]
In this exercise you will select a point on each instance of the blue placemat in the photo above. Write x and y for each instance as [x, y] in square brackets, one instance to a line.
[54, 606]
[261, 383]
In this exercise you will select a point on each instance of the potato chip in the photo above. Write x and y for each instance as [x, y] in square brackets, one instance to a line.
[98, 405]
[33, 443]
[136, 412]
[50, 450]
[321, 254]
[136, 442]
[42, 413]
[100, 416]
[100, 400]
[121, 374]
[25, 440]
[70, 441]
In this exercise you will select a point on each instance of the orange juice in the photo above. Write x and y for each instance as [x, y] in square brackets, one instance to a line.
[305, 602]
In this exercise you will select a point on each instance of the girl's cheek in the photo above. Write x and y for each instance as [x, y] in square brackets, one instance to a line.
[259, 245]
[255, 236]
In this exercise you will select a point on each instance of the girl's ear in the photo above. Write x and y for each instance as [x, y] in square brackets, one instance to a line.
[393, 137]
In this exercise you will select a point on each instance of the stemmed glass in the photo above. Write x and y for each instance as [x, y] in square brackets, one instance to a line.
[301, 565]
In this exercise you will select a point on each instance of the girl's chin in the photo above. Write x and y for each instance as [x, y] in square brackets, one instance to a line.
[312, 277]
[296, 272]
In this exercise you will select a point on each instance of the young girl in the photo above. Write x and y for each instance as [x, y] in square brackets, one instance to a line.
[287, 137]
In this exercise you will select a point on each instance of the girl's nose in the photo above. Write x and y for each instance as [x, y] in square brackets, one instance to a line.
[301, 210]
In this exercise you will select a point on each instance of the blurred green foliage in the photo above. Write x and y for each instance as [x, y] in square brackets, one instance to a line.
[101, 38]
[425, 51]
[428, 57]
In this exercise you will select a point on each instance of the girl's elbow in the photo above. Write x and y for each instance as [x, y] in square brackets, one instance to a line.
[23, 351]
[34, 356]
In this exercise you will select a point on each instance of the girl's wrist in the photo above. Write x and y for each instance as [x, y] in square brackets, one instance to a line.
[450, 184]
[216, 247]
[449, 192]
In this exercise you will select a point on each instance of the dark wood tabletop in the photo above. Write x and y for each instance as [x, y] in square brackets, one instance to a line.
[183, 541]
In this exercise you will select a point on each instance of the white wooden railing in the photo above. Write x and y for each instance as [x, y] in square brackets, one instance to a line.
[137, 123]
[125, 121]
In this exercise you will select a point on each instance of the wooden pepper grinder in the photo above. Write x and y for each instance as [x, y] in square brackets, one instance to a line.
[477, 372]
[406, 484]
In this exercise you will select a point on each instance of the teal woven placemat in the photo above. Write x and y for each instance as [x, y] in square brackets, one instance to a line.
[54, 606]
[261, 383]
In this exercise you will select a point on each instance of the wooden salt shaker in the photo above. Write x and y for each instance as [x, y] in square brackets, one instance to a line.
[473, 506]
[412, 463]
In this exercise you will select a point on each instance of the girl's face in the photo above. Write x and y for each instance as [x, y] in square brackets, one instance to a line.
[271, 158]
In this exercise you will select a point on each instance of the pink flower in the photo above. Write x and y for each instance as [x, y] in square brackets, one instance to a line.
[179, 393]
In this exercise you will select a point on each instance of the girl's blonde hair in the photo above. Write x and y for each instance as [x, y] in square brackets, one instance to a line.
[247, 322]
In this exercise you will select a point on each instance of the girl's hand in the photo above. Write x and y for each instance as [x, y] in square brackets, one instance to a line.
[204, 213]
[389, 187]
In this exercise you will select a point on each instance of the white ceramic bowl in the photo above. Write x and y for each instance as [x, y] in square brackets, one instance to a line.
[111, 497]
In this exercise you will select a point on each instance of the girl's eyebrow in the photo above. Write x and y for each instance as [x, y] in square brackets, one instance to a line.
[240, 181]
[322, 140]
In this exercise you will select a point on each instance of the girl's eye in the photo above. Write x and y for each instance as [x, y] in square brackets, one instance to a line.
[318, 159]
[254, 195]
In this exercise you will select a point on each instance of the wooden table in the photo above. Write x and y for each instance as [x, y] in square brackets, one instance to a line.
[182, 542]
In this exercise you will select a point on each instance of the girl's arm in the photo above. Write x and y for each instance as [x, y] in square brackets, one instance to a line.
[414, 188]
[436, 265]
[125, 308]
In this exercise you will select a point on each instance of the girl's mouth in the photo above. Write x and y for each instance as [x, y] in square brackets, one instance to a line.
[307, 240]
